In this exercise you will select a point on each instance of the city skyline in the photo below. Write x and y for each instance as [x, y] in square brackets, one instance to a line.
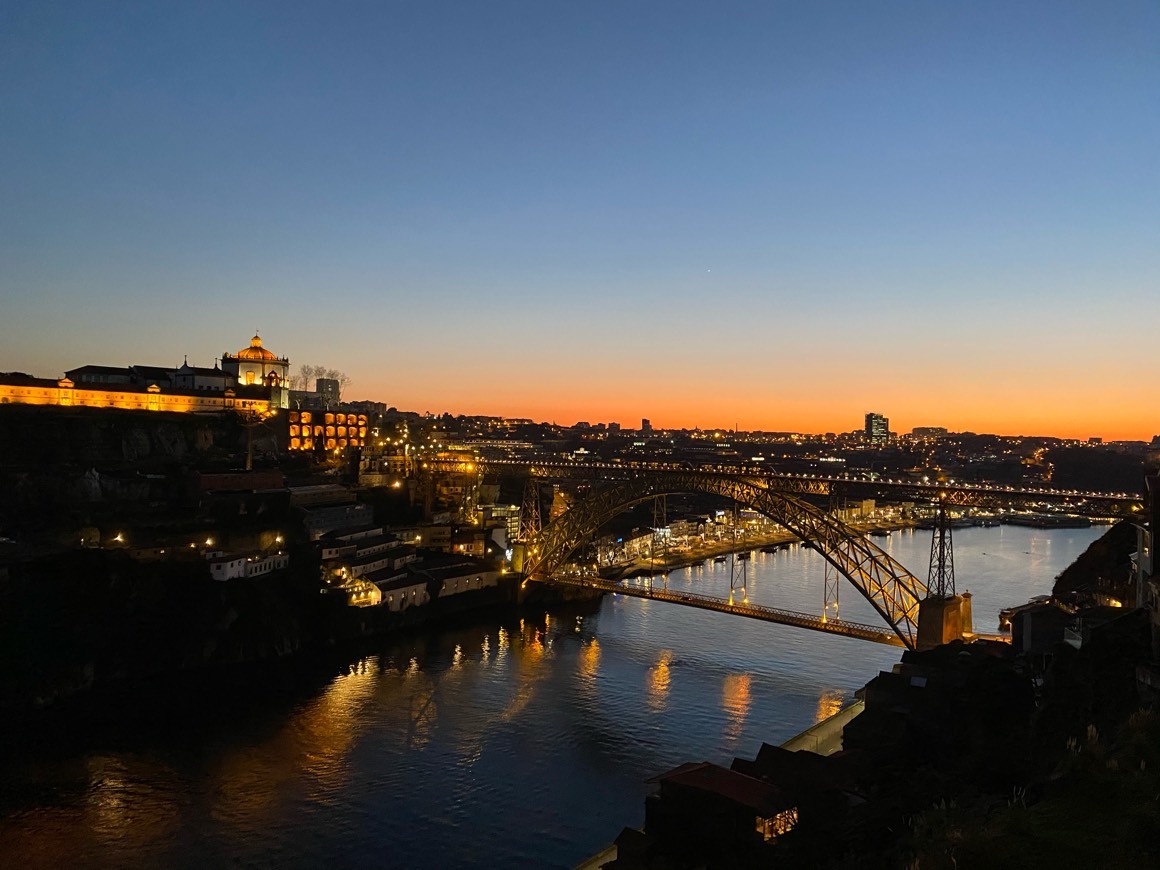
[628, 421]
[770, 218]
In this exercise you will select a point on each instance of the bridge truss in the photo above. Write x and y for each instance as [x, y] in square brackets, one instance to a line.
[959, 495]
[889, 587]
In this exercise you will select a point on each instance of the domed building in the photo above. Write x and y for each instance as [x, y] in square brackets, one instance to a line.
[258, 366]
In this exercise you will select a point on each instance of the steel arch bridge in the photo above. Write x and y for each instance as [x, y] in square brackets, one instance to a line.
[892, 590]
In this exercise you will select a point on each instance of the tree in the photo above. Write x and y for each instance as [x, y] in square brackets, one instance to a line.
[303, 379]
[307, 375]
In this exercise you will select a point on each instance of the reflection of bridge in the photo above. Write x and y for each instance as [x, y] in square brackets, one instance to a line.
[897, 595]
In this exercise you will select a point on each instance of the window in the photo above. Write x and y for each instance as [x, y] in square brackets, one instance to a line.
[782, 823]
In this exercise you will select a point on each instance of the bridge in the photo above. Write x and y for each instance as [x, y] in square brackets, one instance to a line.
[795, 618]
[953, 493]
[916, 613]
[892, 590]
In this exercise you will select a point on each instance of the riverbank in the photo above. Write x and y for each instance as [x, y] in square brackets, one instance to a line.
[92, 620]
[683, 558]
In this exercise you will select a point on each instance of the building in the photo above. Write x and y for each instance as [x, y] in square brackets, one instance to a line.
[229, 567]
[326, 396]
[258, 365]
[328, 392]
[102, 375]
[712, 810]
[401, 590]
[188, 377]
[317, 521]
[317, 430]
[877, 429]
[22, 389]
[252, 381]
[453, 575]
[361, 555]
[929, 432]
[645, 424]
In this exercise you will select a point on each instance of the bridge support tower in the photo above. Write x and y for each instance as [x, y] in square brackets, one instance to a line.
[832, 583]
[659, 549]
[530, 524]
[943, 615]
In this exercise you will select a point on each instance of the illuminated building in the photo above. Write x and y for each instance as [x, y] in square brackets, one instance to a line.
[16, 388]
[188, 377]
[316, 430]
[257, 365]
[253, 380]
[877, 429]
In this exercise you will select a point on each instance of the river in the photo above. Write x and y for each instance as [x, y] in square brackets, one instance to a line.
[510, 744]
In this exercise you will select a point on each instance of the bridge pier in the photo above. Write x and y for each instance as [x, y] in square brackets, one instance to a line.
[519, 557]
[943, 619]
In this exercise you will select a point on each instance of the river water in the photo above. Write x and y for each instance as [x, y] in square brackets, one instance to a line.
[516, 744]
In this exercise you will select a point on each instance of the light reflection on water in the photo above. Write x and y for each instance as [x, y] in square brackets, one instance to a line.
[524, 745]
[735, 701]
[659, 678]
[829, 703]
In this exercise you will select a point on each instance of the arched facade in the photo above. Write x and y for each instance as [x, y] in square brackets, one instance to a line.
[892, 590]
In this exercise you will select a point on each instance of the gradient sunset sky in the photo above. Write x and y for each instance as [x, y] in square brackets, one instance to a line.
[772, 214]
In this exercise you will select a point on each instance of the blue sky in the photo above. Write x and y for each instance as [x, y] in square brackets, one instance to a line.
[784, 214]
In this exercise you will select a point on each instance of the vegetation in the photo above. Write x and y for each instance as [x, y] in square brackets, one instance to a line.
[1104, 567]
[307, 375]
[1100, 808]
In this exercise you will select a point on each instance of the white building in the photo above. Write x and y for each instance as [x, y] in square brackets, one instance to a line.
[223, 566]
[257, 365]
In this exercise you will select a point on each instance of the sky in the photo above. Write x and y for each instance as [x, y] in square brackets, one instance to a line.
[774, 215]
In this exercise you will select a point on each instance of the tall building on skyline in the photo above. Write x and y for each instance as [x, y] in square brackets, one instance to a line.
[877, 428]
[645, 424]
[328, 392]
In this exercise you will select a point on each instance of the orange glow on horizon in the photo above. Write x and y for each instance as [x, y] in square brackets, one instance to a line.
[1114, 412]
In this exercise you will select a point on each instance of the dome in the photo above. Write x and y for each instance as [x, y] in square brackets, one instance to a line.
[256, 352]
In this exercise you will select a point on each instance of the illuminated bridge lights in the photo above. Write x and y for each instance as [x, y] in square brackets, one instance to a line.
[956, 493]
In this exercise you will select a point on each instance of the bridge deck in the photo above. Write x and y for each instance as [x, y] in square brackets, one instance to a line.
[753, 611]
[962, 494]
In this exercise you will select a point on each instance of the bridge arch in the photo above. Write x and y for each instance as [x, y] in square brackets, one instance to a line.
[891, 589]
